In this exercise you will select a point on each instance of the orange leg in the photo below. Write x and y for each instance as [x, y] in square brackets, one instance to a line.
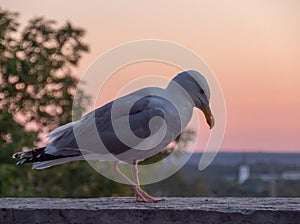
[140, 195]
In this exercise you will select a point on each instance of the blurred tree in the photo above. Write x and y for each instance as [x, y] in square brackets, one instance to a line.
[12, 133]
[36, 95]
[37, 85]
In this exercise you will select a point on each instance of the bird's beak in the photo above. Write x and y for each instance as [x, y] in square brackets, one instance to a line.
[208, 115]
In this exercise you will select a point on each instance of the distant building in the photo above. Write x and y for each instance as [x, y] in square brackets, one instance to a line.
[244, 173]
[244, 170]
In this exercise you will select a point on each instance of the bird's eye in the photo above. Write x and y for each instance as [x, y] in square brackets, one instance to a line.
[201, 91]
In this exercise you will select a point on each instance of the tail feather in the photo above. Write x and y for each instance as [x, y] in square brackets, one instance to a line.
[41, 156]
[28, 156]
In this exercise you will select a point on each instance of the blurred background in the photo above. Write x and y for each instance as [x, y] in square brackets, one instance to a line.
[252, 46]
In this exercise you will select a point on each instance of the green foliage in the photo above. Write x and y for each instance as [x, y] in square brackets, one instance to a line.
[76, 179]
[36, 96]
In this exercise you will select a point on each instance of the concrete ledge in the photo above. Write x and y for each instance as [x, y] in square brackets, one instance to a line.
[173, 210]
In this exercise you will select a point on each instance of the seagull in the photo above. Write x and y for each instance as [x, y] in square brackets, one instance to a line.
[129, 129]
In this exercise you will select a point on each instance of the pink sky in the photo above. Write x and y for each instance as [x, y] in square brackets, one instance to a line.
[252, 46]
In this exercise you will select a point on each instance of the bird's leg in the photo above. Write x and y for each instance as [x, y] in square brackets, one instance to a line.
[139, 193]
[121, 175]
[132, 185]
[137, 182]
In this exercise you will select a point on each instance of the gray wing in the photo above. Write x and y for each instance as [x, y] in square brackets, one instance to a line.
[63, 138]
[138, 120]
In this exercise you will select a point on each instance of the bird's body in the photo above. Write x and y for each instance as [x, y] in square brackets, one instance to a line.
[155, 117]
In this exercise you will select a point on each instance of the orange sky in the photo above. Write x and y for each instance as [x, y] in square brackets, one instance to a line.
[252, 46]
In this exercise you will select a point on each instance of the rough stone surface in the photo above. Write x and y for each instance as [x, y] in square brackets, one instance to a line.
[172, 210]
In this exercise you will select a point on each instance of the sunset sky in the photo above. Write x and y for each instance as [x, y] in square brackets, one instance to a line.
[252, 46]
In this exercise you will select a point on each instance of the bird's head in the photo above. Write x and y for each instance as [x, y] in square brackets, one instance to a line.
[196, 86]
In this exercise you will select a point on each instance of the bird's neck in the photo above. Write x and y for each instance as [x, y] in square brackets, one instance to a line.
[179, 94]
[181, 99]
